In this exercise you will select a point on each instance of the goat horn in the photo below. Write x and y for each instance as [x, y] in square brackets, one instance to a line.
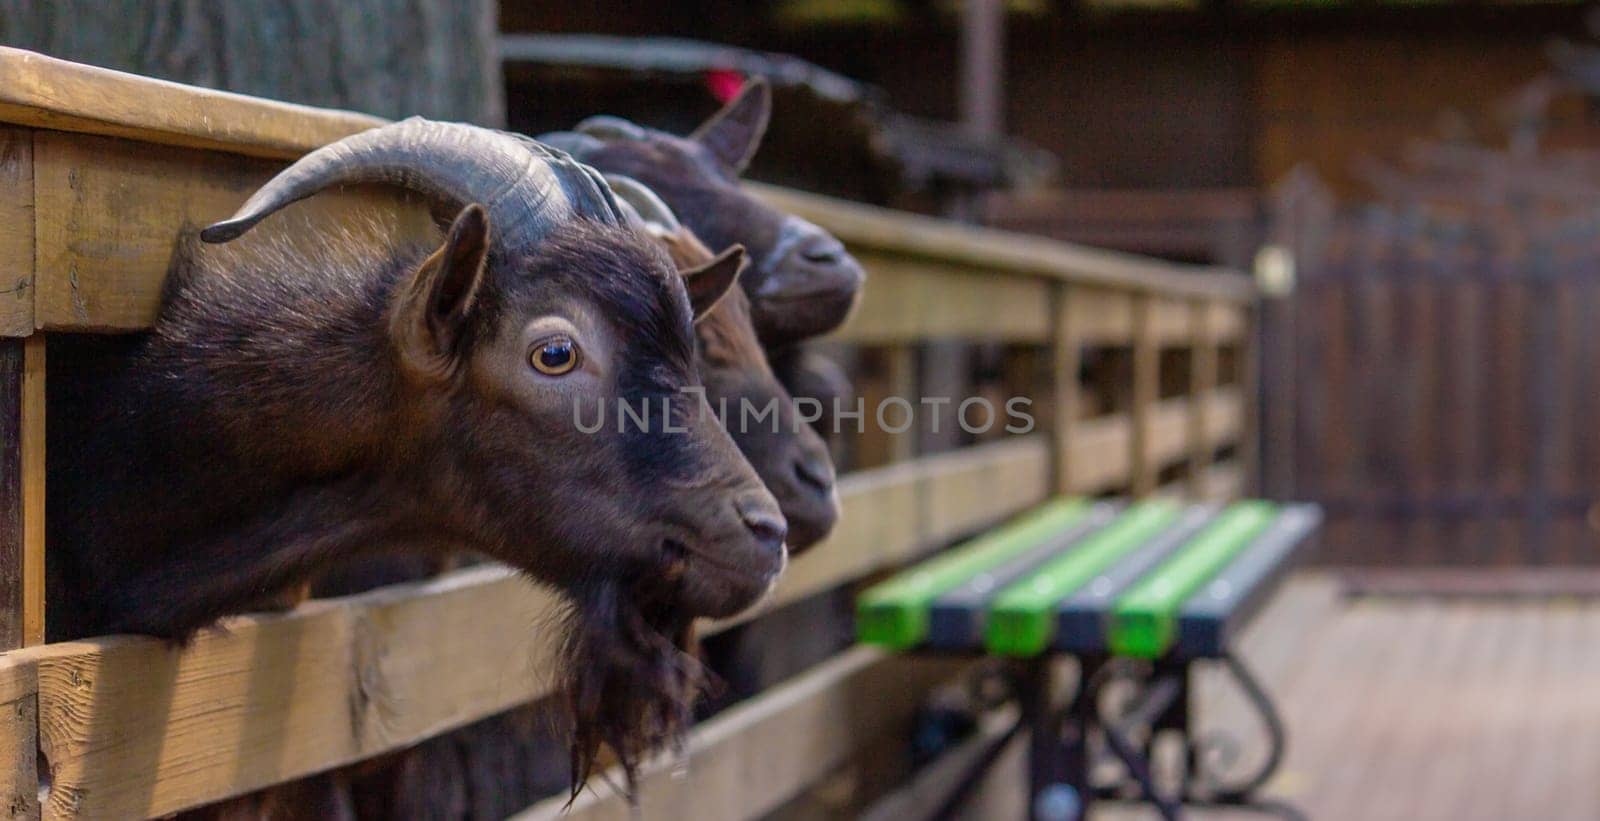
[525, 186]
[607, 127]
[646, 205]
[578, 145]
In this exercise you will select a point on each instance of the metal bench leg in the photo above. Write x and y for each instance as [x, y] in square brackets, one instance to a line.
[1159, 700]
[1242, 791]
[1058, 752]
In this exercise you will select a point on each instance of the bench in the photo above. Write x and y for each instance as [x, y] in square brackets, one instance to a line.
[1137, 592]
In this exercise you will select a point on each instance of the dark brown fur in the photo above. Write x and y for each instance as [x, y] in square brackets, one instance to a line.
[273, 424]
[788, 454]
[802, 283]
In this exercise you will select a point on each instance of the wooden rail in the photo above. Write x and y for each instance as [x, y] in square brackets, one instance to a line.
[100, 170]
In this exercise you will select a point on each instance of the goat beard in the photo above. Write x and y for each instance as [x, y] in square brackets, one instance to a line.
[632, 678]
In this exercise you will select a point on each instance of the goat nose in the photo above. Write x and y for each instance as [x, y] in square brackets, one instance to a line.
[822, 249]
[823, 254]
[815, 471]
[761, 517]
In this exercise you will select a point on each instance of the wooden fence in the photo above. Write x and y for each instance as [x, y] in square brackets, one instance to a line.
[1440, 366]
[98, 171]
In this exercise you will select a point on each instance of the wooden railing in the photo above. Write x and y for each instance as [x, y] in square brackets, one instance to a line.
[99, 171]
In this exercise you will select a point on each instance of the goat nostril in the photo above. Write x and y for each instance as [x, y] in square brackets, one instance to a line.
[769, 530]
[759, 514]
[814, 474]
[822, 256]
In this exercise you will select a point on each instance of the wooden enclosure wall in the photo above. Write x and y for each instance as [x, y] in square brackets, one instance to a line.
[126, 726]
[1445, 386]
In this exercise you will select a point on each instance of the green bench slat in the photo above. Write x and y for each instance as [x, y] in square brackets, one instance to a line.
[1021, 619]
[1208, 619]
[955, 619]
[1081, 617]
[1142, 623]
[894, 613]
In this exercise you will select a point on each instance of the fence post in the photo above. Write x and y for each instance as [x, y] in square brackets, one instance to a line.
[1146, 385]
[1202, 383]
[21, 492]
[1066, 351]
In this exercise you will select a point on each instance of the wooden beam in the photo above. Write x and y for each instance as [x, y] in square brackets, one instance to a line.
[136, 727]
[895, 514]
[16, 232]
[32, 451]
[902, 383]
[1227, 323]
[1103, 317]
[13, 539]
[110, 212]
[1101, 453]
[866, 227]
[1171, 323]
[1225, 414]
[748, 761]
[136, 201]
[1146, 384]
[19, 739]
[44, 92]
[22, 475]
[1168, 432]
[1202, 381]
[1225, 481]
[1066, 352]
[931, 790]
[911, 300]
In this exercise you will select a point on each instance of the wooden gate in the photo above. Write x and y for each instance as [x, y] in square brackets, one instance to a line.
[1443, 371]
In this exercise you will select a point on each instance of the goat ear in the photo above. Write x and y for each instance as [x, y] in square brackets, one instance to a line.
[434, 310]
[710, 282]
[734, 133]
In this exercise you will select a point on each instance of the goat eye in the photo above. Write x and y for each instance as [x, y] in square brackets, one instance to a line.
[555, 356]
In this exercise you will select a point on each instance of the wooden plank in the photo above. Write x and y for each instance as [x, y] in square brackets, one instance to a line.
[1225, 416]
[1146, 384]
[16, 232]
[1225, 322]
[1169, 431]
[1202, 381]
[894, 514]
[133, 201]
[1102, 317]
[1172, 323]
[109, 213]
[1066, 357]
[135, 727]
[22, 476]
[1225, 481]
[32, 451]
[1101, 454]
[933, 787]
[748, 761]
[869, 227]
[902, 382]
[44, 92]
[19, 739]
[12, 507]
[909, 300]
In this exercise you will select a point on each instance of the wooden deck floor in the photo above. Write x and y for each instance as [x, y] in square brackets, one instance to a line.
[1408, 708]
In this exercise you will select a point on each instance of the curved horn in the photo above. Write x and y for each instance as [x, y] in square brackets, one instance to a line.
[607, 127]
[525, 186]
[654, 213]
[578, 145]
